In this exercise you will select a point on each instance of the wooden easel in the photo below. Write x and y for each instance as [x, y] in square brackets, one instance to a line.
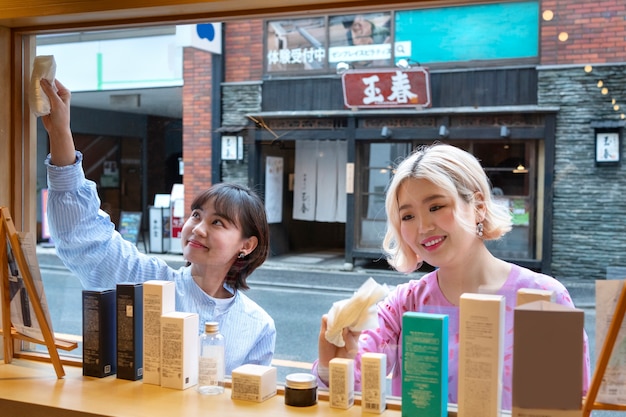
[589, 403]
[8, 234]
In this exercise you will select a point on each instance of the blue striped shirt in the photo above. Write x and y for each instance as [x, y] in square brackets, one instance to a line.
[90, 247]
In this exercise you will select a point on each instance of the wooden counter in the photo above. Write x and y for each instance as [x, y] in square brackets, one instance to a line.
[30, 388]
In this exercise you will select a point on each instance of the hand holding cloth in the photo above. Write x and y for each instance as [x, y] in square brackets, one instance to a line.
[357, 313]
[44, 66]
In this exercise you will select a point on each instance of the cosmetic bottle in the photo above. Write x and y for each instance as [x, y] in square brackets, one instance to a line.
[212, 365]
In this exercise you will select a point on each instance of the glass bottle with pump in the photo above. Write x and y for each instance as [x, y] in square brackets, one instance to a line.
[212, 364]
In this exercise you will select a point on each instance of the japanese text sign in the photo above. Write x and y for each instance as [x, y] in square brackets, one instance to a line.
[387, 88]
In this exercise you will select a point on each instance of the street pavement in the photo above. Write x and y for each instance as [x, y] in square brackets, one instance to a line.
[341, 276]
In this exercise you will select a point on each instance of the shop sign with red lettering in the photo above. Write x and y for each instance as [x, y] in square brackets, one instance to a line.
[387, 88]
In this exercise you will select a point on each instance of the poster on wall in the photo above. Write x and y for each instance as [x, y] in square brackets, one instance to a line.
[363, 40]
[274, 169]
[23, 316]
[318, 44]
[296, 45]
[468, 33]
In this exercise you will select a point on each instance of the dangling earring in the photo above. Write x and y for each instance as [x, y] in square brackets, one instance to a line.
[241, 255]
[479, 229]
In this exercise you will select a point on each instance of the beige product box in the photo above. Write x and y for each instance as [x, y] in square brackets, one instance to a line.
[159, 297]
[547, 360]
[341, 383]
[253, 383]
[481, 354]
[179, 349]
[528, 295]
[373, 382]
[612, 390]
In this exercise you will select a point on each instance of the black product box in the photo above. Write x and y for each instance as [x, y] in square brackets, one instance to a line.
[130, 331]
[99, 333]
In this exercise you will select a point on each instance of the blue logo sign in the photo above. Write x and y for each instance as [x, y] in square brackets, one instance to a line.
[206, 31]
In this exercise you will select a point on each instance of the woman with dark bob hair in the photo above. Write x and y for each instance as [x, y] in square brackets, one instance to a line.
[224, 239]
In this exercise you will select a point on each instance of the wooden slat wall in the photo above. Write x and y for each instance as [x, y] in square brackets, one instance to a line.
[497, 87]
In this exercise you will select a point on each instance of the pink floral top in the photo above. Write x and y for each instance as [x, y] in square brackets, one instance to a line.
[424, 295]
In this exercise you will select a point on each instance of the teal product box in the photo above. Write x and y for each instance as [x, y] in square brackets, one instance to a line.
[424, 365]
[99, 333]
[130, 331]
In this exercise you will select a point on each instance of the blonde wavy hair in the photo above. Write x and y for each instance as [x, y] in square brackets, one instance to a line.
[461, 176]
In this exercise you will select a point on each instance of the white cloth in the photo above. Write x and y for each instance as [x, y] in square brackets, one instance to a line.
[305, 180]
[44, 66]
[326, 187]
[356, 313]
[342, 162]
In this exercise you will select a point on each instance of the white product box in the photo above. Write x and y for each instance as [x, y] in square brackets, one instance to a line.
[253, 383]
[159, 297]
[373, 382]
[341, 383]
[179, 350]
[481, 360]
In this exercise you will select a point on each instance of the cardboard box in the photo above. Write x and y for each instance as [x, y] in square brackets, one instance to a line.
[253, 383]
[99, 333]
[528, 295]
[547, 360]
[341, 383]
[159, 297]
[424, 365]
[481, 354]
[373, 382]
[130, 331]
[179, 350]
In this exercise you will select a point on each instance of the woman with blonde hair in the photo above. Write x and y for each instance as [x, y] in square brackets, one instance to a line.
[440, 211]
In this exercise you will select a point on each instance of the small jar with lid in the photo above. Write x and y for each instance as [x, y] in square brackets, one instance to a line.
[300, 390]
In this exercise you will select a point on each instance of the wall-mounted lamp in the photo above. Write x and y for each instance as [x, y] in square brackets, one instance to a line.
[520, 169]
[505, 132]
[385, 132]
[405, 64]
[342, 67]
[443, 131]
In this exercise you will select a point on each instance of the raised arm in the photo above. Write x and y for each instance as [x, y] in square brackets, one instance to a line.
[57, 123]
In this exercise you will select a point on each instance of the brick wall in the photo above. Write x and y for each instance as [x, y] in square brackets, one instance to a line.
[243, 50]
[196, 122]
[596, 29]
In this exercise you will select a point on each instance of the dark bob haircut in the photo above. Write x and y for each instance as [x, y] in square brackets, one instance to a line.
[243, 207]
